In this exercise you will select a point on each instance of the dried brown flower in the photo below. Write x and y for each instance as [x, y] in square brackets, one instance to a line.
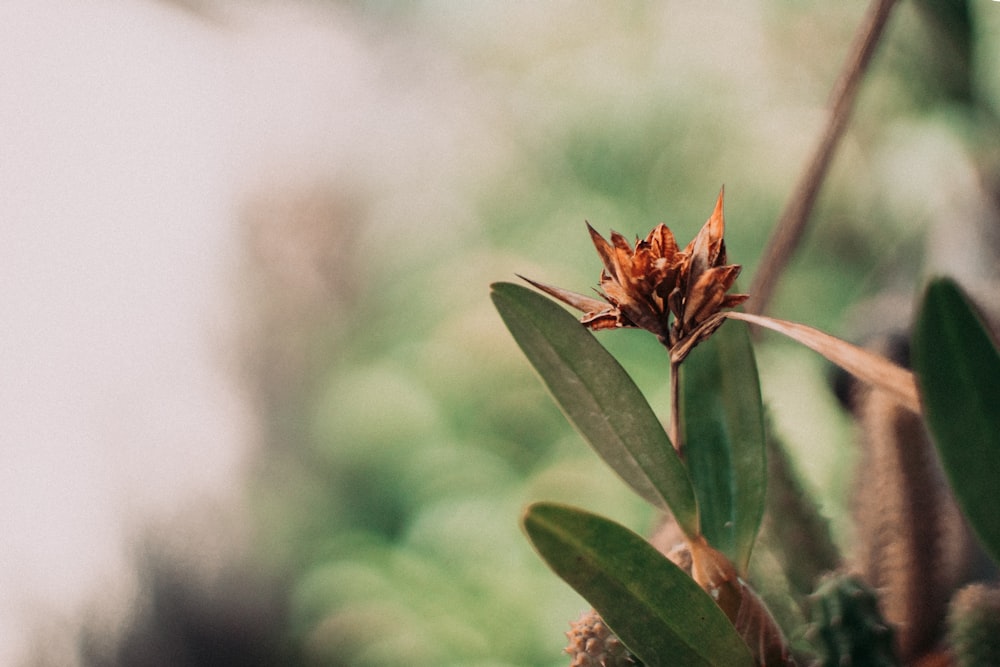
[676, 294]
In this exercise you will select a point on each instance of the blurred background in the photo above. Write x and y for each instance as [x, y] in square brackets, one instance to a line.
[256, 406]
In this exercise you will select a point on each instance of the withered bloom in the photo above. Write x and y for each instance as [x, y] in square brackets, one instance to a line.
[676, 294]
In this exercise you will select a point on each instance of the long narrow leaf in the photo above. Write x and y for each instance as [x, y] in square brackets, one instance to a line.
[862, 364]
[599, 399]
[958, 370]
[722, 420]
[653, 606]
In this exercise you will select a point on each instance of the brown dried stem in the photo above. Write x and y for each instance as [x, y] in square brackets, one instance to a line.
[791, 226]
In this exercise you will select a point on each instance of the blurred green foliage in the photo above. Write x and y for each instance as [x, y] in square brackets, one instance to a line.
[407, 433]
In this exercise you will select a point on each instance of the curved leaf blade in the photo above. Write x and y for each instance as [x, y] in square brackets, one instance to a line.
[859, 362]
[653, 606]
[958, 371]
[722, 419]
[600, 399]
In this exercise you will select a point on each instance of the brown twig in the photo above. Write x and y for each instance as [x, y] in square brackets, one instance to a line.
[788, 232]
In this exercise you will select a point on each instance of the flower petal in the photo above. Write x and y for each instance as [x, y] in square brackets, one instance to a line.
[607, 253]
[707, 246]
[635, 308]
[733, 300]
[705, 299]
[623, 257]
[662, 242]
[726, 275]
[717, 230]
[581, 302]
[609, 318]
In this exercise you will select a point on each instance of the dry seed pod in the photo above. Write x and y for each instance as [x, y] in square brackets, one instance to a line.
[673, 293]
[592, 644]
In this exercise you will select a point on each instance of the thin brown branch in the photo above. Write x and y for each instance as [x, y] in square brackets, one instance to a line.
[792, 223]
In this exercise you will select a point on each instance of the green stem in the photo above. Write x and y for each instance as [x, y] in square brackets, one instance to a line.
[674, 430]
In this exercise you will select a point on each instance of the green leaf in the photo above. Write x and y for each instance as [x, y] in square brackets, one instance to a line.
[599, 399]
[958, 371]
[653, 606]
[722, 422]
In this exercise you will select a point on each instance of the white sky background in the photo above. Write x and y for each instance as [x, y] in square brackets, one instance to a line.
[129, 132]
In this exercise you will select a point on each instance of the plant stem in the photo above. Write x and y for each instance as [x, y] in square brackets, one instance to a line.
[674, 430]
[791, 225]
